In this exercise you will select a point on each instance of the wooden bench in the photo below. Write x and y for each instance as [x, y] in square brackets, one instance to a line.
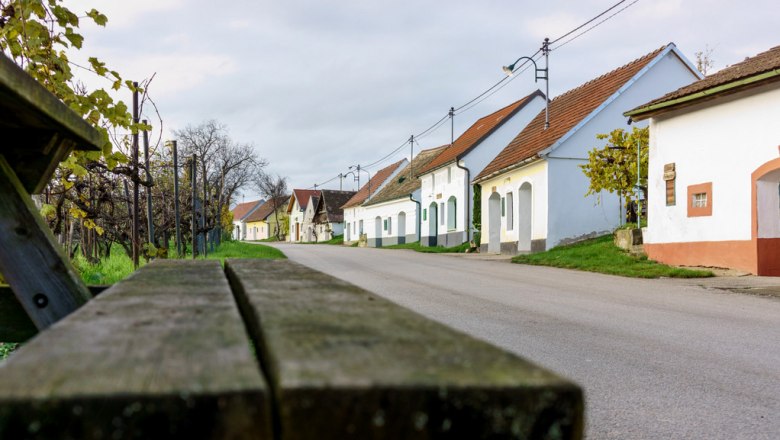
[269, 349]
[259, 349]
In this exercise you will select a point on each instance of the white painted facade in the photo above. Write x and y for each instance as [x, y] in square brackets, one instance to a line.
[451, 182]
[353, 215]
[561, 211]
[397, 221]
[722, 142]
[309, 231]
[295, 234]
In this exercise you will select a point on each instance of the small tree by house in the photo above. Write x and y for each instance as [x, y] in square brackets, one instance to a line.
[613, 167]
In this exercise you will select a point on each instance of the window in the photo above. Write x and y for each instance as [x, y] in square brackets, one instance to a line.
[441, 215]
[503, 206]
[361, 227]
[700, 200]
[510, 218]
[452, 212]
[385, 224]
[449, 175]
[433, 182]
[389, 225]
[425, 214]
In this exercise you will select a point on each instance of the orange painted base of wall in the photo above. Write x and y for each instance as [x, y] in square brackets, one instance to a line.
[769, 256]
[740, 255]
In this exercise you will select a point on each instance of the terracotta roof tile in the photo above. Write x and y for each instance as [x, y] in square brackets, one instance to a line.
[266, 209]
[566, 111]
[242, 209]
[403, 185]
[478, 132]
[761, 63]
[302, 196]
[374, 183]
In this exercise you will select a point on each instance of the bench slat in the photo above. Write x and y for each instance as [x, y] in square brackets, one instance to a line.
[344, 363]
[163, 354]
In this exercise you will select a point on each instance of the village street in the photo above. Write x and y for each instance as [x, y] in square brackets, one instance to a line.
[658, 359]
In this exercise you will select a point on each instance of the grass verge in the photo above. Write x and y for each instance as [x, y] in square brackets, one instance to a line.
[430, 249]
[602, 256]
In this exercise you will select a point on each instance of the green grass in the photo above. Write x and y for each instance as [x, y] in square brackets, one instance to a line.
[339, 240]
[601, 255]
[119, 265]
[415, 246]
[7, 348]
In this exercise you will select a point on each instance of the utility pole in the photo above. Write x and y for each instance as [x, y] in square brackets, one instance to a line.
[176, 198]
[546, 52]
[411, 156]
[194, 179]
[149, 217]
[341, 181]
[452, 125]
[134, 234]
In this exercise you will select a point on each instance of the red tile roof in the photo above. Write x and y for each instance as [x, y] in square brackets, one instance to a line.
[402, 184]
[566, 111]
[763, 63]
[478, 132]
[266, 209]
[374, 183]
[242, 209]
[302, 196]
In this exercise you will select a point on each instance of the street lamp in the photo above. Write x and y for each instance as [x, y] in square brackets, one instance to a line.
[539, 74]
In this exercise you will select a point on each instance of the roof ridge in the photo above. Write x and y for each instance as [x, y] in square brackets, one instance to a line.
[614, 71]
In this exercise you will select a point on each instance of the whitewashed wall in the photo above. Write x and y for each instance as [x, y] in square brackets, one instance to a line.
[722, 142]
[390, 210]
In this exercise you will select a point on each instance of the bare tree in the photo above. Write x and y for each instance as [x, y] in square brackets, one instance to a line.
[274, 189]
[704, 61]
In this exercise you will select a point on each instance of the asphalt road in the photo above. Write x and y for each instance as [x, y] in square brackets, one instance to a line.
[658, 359]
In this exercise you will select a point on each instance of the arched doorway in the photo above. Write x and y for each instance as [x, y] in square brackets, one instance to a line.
[378, 231]
[494, 223]
[524, 217]
[401, 227]
[766, 214]
[433, 223]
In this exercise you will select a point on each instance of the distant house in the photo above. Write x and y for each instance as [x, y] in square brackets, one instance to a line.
[296, 209]
[265, 221]
[328, 219]
[353, 209]
[447, 193]
[392, 215]
[240, 212]
[533, 192]
[714, 177]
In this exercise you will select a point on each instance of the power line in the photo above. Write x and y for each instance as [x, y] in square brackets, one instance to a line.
[588, 22]
[594, 26]
[503, 82]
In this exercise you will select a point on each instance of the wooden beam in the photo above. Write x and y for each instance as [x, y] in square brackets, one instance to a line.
[344, 363]
[15, 325]
[162, 354]
[31, 261]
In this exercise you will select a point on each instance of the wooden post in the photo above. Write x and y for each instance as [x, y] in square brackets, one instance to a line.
[32, 263]
[134, 233]
[194, 181]
[149, 217]
[176, 198]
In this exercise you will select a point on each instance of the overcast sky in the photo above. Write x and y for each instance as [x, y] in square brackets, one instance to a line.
[318, 86]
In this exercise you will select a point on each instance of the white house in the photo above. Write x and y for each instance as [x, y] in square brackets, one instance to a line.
[296, 208]
[353, 209]
[714, 174]
[240, 213]
[533, 192]
[308, 228]
[446, 191]
[392, 216]
[328, 219]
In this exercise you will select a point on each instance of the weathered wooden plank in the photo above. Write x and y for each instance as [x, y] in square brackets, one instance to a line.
[31, 261]
[163, 354]
[38, 129]
[344, 363]
[15, 325]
